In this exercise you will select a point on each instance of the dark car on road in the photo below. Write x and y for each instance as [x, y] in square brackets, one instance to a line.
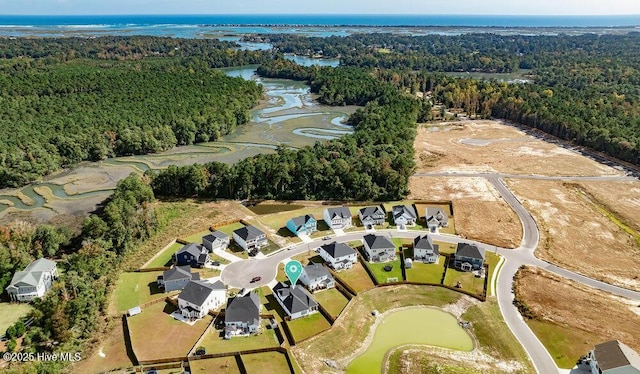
[256, 279]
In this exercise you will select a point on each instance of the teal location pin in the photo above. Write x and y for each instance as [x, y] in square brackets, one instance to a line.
[293, 269]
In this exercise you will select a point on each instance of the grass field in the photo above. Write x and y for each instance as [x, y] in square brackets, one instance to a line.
[222, 365]
[305, 327]
[197, 237]
[214, 341]
[332, 300]
[445, 247]
[268, 362]
[110, 354]
[228, 229]
[426, 273]
[381, 275]
[151, 329]
[11, 313]
[134, 289]
[164, 259]
[271, 208]
[356, 277]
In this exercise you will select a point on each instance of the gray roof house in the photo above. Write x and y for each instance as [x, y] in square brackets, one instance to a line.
[469, 257]
[34, 281]
[436, 217]
[250, 238]
[338, 218]
[404, 215]
[192, 254]
[372, 216]
[379, 248]
[242, 315]
[338, 255]
[199, 297]
[296, 302]
[425, 250]
[317, 277]
[613, 357]
[216, 240]
[176, 278]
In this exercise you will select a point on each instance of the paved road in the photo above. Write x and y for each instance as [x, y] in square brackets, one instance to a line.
[536, 177]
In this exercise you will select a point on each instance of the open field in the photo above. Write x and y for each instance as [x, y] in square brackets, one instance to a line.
[11, 313]
[492, 146]
[356, 277]
[305, 327]
[156, 318]
[480, 212]
[572, 318]
[134, 289]
[108, 354]
[332, 300]
[222, 365]
[268, 362]
[214, 341]
[578, 236]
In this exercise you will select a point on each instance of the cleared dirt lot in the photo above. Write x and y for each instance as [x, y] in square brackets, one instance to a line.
[492, 146]
[570, 318]
[576, 235]
[479, 211]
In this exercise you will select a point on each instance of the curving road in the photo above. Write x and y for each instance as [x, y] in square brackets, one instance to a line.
[238, 274]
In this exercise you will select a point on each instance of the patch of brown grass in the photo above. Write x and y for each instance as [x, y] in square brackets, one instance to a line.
[575, 235]
[619, 197]
[114, 350]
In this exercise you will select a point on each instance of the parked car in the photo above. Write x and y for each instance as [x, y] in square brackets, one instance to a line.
[201, 351]
[256, 279]
[215, 263]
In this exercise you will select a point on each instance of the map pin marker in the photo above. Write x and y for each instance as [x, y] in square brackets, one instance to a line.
[293, 269]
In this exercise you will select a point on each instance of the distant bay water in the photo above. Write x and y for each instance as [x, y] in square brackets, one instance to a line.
[322, 25]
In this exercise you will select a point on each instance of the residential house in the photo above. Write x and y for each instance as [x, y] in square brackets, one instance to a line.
[34, 281]
[404, 215]
[296, 301]
[176, 278]
[613, 357]
[242, 315]
[250, 238]
[216, 240]
[372, 216]
[379, 248]
[338, 218]
[199, 297]
[316, 277]
[424, 249]
[302, 225]
[469, 257]
[338, 255]
[193, 255]
[436, 217]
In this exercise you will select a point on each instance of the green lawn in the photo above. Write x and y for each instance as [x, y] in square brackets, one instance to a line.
[492, 260]
[264, 209]
[11, 313]
[426, 273]
[222, 365]
[197, 237]
[445, 247]
[164, 259]
[377, 268]
[268, 362]
[356, 277]
[468, 281]
[564, 344]
[134, 289]
[214, 342]
[272, 247]
[305, 327]
[236, 250]
[228, 229]
[332, 300]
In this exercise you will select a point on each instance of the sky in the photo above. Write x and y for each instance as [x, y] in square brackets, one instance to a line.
[474, 7]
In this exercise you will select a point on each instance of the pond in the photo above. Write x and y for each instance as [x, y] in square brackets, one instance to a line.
[414, 326]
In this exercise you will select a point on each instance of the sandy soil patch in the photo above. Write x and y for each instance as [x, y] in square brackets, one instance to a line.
[576, 235]
[492, 146]
[479, 211]
[579, 308]
[621, 198]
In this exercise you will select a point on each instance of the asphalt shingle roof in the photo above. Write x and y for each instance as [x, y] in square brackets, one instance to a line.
[301, 220]
[249, 232]
[469, 250]
[193, 249]
[294, 299]
[179, 272]
[371, 211]
[243, 309]
[315, 271]
[378, 242]
[342, 212]
[615, 354]
[196, 292]
[404, 211]
[216, 235]
[32, 274]
[337, 250]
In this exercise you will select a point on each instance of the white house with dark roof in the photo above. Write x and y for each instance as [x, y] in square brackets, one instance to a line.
[192, 254]
[176, 278]
[316, 277]
[242, 315]
[424, 250]
[436, 218]
[250, 238]
[338, 218]
[338, 255]
[404, 215]
[296, 302]
[216, 240]
[372, 216]
[34, 281]
[199, 297]
[304, 225]
[613, 357]
[469, 257]
[379, 248]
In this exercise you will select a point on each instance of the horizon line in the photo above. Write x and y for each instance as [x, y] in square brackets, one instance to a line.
[322, 14]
